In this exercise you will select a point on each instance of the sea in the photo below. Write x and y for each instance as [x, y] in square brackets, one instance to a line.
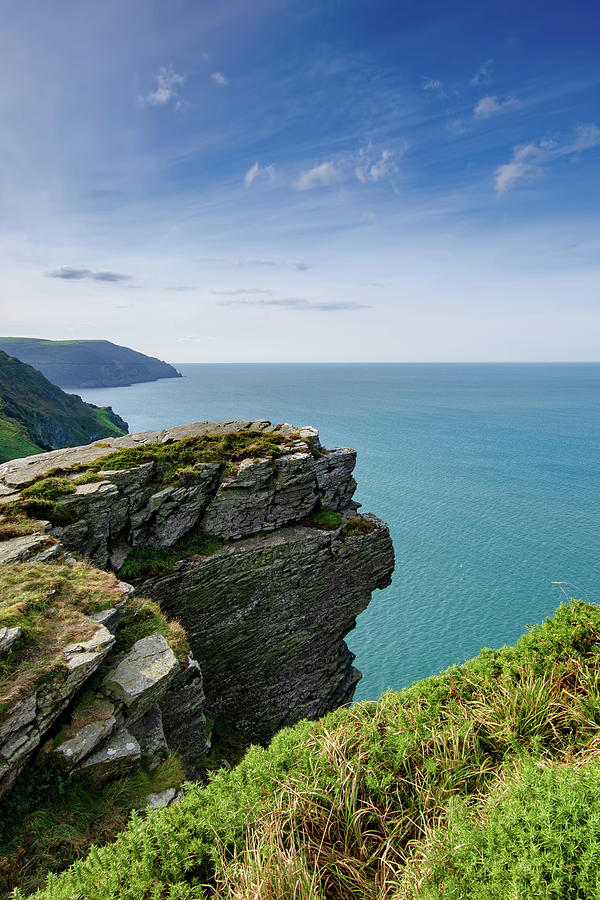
[488, 475]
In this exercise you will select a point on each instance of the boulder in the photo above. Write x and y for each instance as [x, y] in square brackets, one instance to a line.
[8, 638]
[143, 676]
[118, 756]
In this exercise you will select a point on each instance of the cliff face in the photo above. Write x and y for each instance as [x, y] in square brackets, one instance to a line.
[244, 532]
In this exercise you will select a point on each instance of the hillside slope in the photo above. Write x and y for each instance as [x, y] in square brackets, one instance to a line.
[87, 364]
[35, 415]
[481, 782]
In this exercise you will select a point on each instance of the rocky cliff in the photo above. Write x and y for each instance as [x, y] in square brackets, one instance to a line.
[244, 532]
[87, 364]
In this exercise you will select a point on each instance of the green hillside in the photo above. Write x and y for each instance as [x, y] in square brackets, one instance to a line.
[482, 782]
[35, 415]
[87, 364]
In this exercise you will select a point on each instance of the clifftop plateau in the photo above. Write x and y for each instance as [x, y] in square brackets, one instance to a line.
[87, 364]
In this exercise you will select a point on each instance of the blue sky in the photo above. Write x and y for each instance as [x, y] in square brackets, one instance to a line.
[279, 180]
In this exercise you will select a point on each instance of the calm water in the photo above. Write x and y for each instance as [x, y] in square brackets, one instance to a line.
[487, 474]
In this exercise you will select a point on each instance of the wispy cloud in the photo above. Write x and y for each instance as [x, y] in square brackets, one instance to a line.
[384, 167]
[219, 78]
[489, 106]
[258, 171]
[457, 127]
[167, 83]
[533, 160]
[71, 273]
[273, 263]
[483, 73]
[297, 303]
[325, 174]
[432, 84]
[238, 291]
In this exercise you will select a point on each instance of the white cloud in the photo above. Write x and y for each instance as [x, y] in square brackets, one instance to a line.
[297, 303]
[167, 82]
[383, 168]
[258, 171]
[489, 106]
[219, 78]
[532, 160]
[434, 84]
[319, 176]
[483, 73]
[273, 264]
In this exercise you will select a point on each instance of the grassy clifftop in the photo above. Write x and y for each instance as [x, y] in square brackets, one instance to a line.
[87, 364]
[481, 782]
[35, 415]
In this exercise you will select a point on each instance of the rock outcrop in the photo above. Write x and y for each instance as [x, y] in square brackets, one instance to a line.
[244, 532]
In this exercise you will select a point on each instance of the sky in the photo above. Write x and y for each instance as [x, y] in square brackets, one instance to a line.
[350, 180]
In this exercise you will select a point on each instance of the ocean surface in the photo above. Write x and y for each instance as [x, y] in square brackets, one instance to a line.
[488, 475]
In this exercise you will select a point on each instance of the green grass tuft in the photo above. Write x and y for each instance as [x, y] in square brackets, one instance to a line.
[326, 519]
[49, 488]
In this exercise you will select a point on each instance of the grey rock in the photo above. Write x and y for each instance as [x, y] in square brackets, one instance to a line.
[150, 735]
[70, 752]
[143, 676]
[164, 798]
[8, 638]
[110, 618]
[263, 496]
[172, 512]
[183, 718]
[334, 477]
[118, 756]
[28, 547]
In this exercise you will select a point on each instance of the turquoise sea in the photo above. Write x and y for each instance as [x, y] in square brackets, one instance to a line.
[488, 475]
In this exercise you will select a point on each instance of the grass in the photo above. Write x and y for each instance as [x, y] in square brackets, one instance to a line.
[143, 617]
[50, 602]
[369, 802]
[48, 488]
[326, 519]
[143, 562]
[48, 822]
[14, 522]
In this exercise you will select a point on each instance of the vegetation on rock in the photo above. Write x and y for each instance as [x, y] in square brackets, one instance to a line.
[479, 782]
[177, 462]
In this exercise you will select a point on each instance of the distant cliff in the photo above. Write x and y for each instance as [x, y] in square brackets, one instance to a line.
[87, 364]
[35, 415]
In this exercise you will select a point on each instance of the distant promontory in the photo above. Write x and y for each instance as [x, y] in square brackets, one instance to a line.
[87, 364]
